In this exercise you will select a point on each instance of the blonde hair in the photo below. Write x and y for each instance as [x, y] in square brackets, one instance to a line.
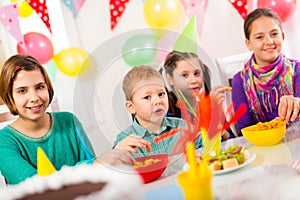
[9, 71]
[136, 75]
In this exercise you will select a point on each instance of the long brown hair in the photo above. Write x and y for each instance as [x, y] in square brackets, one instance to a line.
[9, 71]
[170, 65]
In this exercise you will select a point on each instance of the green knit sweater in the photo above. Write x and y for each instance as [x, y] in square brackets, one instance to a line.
[65, 143]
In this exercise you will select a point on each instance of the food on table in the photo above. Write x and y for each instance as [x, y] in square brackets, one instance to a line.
[232, 157]
[267, 125]
[147, 162]
[230, 163]
[148, 148]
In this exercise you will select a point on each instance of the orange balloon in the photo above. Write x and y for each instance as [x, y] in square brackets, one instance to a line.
[72, 61]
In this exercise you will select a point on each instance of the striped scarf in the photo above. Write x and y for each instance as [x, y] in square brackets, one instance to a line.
[262, 80]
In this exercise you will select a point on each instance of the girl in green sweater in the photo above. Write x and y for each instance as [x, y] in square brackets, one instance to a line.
[27, 91]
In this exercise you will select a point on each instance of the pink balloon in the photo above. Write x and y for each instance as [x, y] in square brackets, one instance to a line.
[284, 8]
[166, 45]
[38, 46]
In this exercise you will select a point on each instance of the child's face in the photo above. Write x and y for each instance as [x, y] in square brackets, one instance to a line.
[149, 102]
[265, 40]
[30, 94]
[187, 77]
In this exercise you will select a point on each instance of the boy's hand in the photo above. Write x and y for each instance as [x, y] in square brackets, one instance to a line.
[115, 157]
[131, 142]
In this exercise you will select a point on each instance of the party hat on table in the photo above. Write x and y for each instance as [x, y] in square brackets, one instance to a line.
[44, 166]
[187, 41]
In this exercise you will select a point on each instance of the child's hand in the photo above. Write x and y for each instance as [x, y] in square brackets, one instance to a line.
[218, 92]
[115, 157]
[131, 142]
[288, 108]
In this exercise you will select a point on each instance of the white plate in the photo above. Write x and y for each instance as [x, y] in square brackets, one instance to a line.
[224, 171]
[247, 162]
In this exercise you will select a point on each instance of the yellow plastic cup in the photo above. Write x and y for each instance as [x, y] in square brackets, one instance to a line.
[195, 187]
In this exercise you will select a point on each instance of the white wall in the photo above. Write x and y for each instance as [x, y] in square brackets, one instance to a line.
[222, 35]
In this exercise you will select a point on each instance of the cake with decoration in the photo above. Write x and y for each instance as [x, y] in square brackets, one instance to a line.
[84, 181]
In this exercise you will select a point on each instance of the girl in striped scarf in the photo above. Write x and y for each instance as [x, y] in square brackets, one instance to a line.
[270, 82]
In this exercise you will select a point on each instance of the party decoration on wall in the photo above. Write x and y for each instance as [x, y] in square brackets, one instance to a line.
[25, 10]
[72, 61]
[284, 8]
[74, 5]
[162, 14]
[9, 19]
[195, 7]
[241, 6]
[38, 46]
[187, 41]
[166, 44]
[51, 69]
[116, 7]
[44, 165]
[41, 9]
[140, 49]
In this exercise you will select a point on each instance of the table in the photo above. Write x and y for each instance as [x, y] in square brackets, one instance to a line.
[267, 177]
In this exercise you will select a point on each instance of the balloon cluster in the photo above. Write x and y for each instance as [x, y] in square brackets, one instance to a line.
[160, 16]
[71, 61]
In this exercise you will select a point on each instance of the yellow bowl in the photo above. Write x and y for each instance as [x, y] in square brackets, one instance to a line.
[264, 137]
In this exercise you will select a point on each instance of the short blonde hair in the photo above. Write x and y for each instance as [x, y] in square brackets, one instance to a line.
[9, 71]
[137, 74]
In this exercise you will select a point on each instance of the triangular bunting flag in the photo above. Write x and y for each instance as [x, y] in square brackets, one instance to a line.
[74, 5]
[44, 166]
[10, 20]
[241, 6]
[195, 7]
[187, 41]
[116, 8]
[41, 9]
[78, 4]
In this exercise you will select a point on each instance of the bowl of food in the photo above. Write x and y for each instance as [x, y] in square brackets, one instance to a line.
[151, 167]
[265, 133]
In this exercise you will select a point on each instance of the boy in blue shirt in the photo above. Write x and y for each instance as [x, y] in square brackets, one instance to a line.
[147, 101]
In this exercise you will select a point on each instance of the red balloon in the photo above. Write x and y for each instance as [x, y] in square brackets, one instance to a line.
[284, 8]
[38, 46]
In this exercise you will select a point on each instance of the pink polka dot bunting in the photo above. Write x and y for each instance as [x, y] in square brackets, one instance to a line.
[41, 9]
[116, 8]
[9, 18]
[241, 6]
[195, 7]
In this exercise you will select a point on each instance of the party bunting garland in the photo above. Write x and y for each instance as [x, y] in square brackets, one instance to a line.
[74, 5]
[9, 18]
[41, 9]
[241, 6]
[195, 7]
[116, 7]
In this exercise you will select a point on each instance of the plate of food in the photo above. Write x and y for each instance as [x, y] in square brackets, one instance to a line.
[228, 160]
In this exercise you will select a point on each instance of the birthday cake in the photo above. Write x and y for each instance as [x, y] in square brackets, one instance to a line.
[80, 182]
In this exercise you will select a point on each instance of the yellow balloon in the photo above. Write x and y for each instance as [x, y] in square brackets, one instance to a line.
[162, 14]
[25, 10]
[72, 61]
